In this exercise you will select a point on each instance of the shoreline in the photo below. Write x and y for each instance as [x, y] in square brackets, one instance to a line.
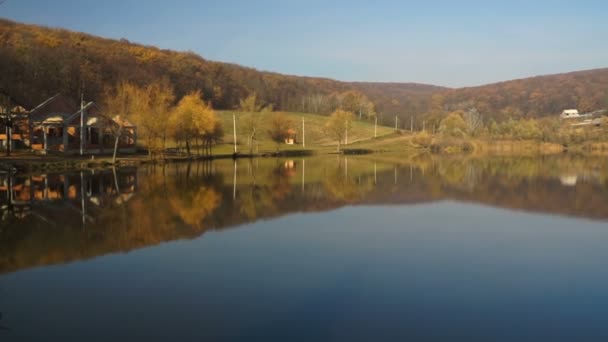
[27, 162]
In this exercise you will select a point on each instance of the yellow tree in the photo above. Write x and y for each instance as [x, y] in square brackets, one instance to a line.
[213, 137]
[453, 125]
[279, 127]
[182, 120]
[153, 119]
[124, 102]
[206, 122]
[339, 124]
[191, 119]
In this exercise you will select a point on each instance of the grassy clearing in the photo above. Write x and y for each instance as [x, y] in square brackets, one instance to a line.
[316, 135]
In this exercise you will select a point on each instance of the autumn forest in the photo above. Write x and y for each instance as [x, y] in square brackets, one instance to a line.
[38, 62]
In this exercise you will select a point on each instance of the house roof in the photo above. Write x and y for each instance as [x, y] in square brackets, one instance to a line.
[60, 109]
[53, 120]
[123, 122]
[57, 105]
[89, 108]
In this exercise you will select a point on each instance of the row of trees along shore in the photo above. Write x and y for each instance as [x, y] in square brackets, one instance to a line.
[192, 123]
[152, 108]
[469, 124]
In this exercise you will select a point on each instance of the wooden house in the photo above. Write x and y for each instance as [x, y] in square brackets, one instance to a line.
[55, 126]
[14, 122]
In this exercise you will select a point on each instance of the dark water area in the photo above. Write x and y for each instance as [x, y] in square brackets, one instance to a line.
[358, 248]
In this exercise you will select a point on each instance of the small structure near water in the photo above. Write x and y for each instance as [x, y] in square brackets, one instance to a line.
[291, 137]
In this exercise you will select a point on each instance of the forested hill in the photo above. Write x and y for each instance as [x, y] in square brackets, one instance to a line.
[38, 62]
[536, 96]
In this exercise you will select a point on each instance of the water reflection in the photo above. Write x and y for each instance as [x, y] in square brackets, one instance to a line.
[57, 218]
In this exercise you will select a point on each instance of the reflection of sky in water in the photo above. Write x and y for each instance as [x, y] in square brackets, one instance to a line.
[444, 271]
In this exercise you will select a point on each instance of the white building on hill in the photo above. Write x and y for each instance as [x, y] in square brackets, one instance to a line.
[570, 114]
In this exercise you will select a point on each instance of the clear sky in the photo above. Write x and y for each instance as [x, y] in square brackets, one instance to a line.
[451, 43]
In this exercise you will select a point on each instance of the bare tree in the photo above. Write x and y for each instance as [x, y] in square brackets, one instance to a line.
[473, 120]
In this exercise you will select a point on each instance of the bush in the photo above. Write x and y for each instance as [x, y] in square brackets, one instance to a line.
[453, 126]
[422, 139]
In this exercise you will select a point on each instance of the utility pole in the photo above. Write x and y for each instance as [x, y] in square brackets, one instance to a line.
[395, 122]
[234, 131]
[303, 134]
[81, 123]
[412, 123]
[346, 133]
[376, 127]
[8, 124]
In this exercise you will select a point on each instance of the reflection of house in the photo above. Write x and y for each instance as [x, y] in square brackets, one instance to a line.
[290, 168]
[291, 137]
[568, 180]
[55, 125]
[19, 194]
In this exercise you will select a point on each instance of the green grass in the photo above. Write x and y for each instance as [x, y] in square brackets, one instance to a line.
[316, 136]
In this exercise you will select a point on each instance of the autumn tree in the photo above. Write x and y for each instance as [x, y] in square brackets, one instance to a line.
[250, 123]
[123, 103]
[182, 129]
[250, 104]
[279, 128]
[473, 120]
[436, 111]
[191, 119]
[213, 137]
[453, 125]
[153, 118]
[339, 124]
[207, 124]
[358, 103]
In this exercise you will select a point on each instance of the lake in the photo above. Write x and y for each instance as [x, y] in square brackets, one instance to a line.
[368, 248]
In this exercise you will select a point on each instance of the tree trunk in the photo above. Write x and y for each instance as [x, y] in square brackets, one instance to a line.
[115, 149]
[188, 147]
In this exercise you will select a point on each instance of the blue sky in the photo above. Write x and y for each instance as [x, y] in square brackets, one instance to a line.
[451, 43]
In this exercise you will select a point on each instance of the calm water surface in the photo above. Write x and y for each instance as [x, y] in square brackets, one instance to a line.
[375, 248]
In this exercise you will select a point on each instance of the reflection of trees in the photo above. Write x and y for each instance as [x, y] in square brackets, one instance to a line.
[280, 182]
[339, 186]
[265, 191]
[183, 201]
[193, 206]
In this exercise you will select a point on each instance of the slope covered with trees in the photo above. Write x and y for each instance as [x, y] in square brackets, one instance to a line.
[536, 96]
[38, 62]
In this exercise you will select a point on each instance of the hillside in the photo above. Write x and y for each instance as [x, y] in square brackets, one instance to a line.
[537, 96]
[38, 62]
